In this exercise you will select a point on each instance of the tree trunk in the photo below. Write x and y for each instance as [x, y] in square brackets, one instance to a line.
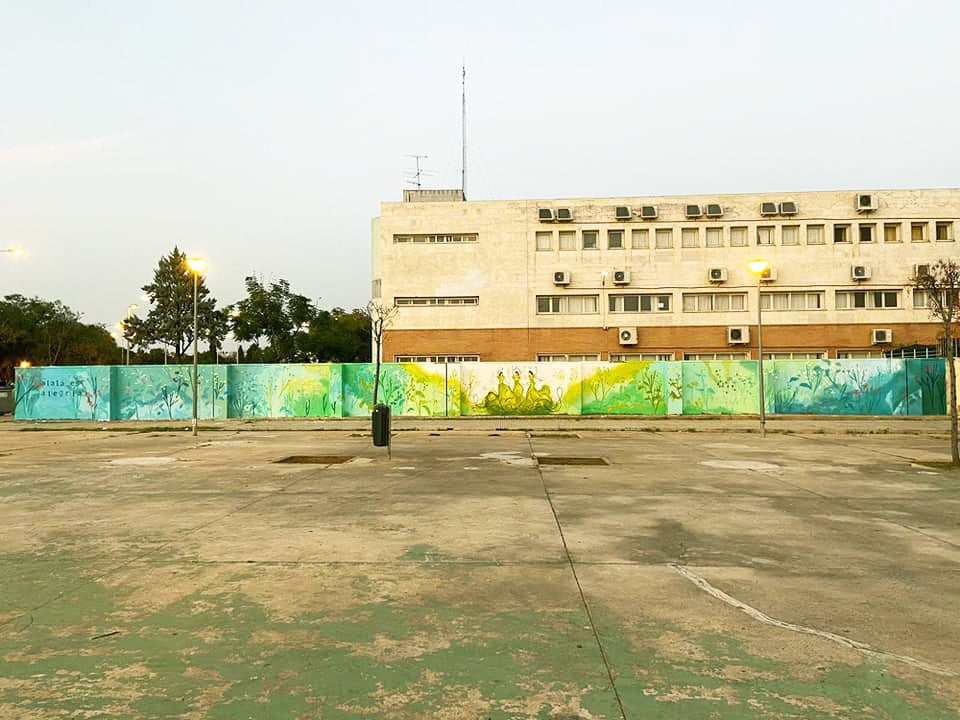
[376, 380]
[952, 370]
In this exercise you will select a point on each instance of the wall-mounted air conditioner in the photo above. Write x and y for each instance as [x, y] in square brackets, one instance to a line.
[768, 275]
[648, 212]
[713, 210]
[621, 277]
[866, 202]
[860, 272]
[694, 211]
[623, 213]
[882, 336]
[788, 207]
[738, 335]
[561, 277]
[564, 214]
[628, 336]
[546, 215]
[921, 269]
[717, 274]
[769, 208]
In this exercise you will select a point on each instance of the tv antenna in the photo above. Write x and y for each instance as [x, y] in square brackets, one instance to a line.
[415, 175]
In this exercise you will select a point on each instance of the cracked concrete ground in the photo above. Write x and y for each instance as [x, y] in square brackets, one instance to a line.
[711, 574]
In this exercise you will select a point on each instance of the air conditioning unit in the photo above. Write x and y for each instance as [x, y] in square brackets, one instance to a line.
[769, 208]
[788, 207]
[628, 336]
[738, 335]
[714, 210]
[564, 214]
[882, 336]
[866, 202]
[648, 212]
[546, 215]
[768, 275]
[717, 274]
[920, 270]
[623, 213]
[621, 277]
[561, 277]
[860, 272]
[694, 211]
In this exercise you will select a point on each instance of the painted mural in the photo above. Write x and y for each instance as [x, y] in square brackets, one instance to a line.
[508, 389]
[147, 392]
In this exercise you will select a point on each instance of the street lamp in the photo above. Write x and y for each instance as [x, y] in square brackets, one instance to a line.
[16, 251]
[132, 306]
[758, 268]
[603, 299]
[197, 266]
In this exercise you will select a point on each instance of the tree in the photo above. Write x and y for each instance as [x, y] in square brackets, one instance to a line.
[941, 286]
[274, 313]
[170, 320]
[381, 316]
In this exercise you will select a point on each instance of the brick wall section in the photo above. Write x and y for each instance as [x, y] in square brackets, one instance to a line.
[523, 344]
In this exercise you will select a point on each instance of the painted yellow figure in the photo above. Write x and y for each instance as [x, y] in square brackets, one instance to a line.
[538, 397]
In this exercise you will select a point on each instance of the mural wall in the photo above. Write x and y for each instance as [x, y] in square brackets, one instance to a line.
[164, 392]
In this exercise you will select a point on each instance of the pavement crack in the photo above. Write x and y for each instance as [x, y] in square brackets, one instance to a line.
[825, 634]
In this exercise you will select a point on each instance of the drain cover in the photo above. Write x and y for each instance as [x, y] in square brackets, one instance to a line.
[316, 459]
[575, 436]
[566, 460]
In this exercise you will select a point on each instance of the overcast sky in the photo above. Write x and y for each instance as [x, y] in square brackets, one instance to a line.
[264, 135]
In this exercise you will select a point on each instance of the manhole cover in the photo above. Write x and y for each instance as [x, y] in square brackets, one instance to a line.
[316, 459]
[561, 460]
[554, 435]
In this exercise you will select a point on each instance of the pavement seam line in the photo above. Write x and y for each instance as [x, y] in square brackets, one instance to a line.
[827, 635]
[576, 580]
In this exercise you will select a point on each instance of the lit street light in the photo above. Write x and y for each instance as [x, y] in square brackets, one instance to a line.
[16, 251]
[758, 268]
[197, 266]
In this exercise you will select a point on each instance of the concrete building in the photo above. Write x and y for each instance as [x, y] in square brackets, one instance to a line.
[659, 277]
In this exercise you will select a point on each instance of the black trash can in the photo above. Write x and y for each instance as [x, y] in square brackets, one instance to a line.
[6, 399]
[381, 425]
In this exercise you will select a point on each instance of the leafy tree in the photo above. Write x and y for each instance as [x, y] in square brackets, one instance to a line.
[274, 313]
[941, 285]
[170, 319]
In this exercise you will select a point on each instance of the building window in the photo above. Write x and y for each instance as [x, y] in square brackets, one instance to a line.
[640, 303]
[641, 357]
[568, 240]
[640, 238]
[615, 239]
[738, 237]
[792, 301]
[436, 358]
[791, 355]
[944, 232]
[714, 237]
[544, 240]
[790, 235]
[689, 238]
[714, 302]
[426, 301]
[922, 298]
[866, 232]
[715, 356]
[814, 234]
[462, 238]
[567, 304]
[918, 232]
[765, 235]
[858, 354]
[867, 299]
[590, 239]
[891, 232]
[841, 233]
[664, 238]
[568, 357]
[375, 288]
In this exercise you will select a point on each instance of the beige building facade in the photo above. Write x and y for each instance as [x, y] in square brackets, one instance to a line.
[660, 278]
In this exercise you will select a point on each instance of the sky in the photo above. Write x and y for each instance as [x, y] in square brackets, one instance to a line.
[264, 135]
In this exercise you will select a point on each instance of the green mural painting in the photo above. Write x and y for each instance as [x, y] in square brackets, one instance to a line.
[834, 387]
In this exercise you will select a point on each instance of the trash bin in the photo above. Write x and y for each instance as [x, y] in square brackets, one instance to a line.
[6, 399]
[381, 425]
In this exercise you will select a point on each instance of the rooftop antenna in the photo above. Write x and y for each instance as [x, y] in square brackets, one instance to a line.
[418, 173]
[463, 130]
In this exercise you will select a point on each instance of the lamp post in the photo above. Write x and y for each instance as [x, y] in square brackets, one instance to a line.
[130, 307]
[197, 266]
[16, 251]
[758, 268]
[603, 299]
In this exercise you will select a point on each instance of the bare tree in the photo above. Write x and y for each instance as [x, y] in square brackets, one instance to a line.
[381, 315]
[941, 286]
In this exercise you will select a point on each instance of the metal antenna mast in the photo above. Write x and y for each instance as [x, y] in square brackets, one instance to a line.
[418, 172]
[463, 130]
